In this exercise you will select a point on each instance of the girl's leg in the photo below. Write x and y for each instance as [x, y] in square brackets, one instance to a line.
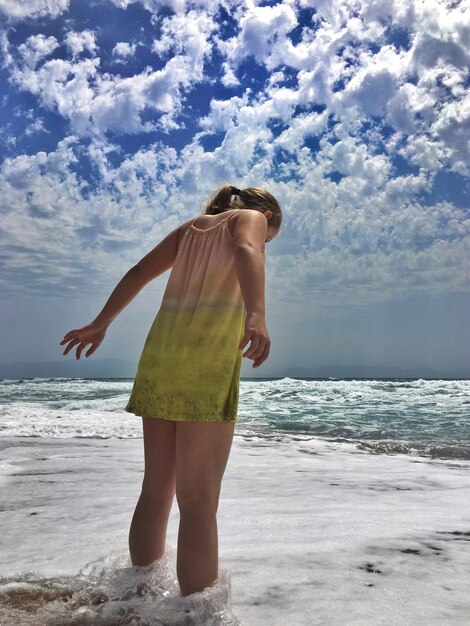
[147, 534]
[202, 451]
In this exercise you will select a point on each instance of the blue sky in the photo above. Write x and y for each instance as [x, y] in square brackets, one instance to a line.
[119, 118]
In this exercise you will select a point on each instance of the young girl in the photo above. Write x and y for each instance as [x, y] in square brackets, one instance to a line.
[187, 381]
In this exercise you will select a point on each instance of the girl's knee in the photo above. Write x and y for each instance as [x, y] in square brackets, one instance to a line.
[201, 506]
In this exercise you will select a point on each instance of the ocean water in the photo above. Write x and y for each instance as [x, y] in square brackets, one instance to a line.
[341, 497]
[426, 417]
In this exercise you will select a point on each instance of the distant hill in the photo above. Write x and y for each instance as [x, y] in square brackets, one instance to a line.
[70, 367]
[121, 368]
[368, 371]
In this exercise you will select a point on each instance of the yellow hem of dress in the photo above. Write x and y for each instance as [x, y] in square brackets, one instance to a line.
[215, 418]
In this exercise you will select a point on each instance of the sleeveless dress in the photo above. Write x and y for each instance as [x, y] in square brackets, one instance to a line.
[189, 369]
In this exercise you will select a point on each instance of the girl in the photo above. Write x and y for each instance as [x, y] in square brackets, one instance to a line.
[187, 381]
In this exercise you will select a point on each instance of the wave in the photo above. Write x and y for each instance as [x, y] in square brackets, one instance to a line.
[110, 592]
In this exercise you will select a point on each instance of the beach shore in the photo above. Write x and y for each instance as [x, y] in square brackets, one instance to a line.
[311, 532]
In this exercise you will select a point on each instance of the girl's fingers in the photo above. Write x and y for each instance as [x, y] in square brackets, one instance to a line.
[91, 350]
[71, 345]
[81, 347]
[252, 348]
[243, 342]
[69, 335]
[260, 350]
[83, 337]
[263, 357]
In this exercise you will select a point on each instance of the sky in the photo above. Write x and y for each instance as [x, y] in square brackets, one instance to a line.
[119, 118]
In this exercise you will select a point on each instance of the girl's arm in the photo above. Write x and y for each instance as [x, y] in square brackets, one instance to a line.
[249, 237]
[157, 261]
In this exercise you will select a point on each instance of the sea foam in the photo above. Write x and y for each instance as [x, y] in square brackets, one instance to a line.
[111, 591]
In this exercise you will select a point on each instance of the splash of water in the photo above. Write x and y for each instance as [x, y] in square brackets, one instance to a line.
[110, 591]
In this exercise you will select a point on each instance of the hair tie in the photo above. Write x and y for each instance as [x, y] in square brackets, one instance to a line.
[235, 191]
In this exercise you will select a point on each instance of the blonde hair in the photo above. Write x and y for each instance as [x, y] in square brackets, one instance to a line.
[230, 197]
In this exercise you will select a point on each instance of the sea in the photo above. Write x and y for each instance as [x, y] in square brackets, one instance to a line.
[423, 416]
[339, 494]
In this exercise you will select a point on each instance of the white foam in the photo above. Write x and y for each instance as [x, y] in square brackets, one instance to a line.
[109, 590]
[310, 533]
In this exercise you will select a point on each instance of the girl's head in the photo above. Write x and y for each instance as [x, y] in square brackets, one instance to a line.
[230, 197]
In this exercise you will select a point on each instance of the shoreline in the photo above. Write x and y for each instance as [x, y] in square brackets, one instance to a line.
[308, 532]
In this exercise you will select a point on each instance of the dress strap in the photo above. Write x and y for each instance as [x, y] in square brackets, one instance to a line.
[220, 222]
[229, 216]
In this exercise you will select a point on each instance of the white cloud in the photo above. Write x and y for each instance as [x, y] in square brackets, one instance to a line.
[79, 42]
[424, 152]
[452, 128]
[301, 127]
[36, 48]
[21, 9]
[96, 103]
[229, 77]
[223, 113]
[261, 28]
[153, 6]
[402, 85]
[187, 37]
[405, 106]
[351, 158]
[57, 236]
[374, 82]
[179, 7]
[355, 230]
[37, 126]
[123, 50]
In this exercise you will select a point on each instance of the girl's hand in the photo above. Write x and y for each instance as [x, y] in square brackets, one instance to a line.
[257, 334]
[88, 334]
